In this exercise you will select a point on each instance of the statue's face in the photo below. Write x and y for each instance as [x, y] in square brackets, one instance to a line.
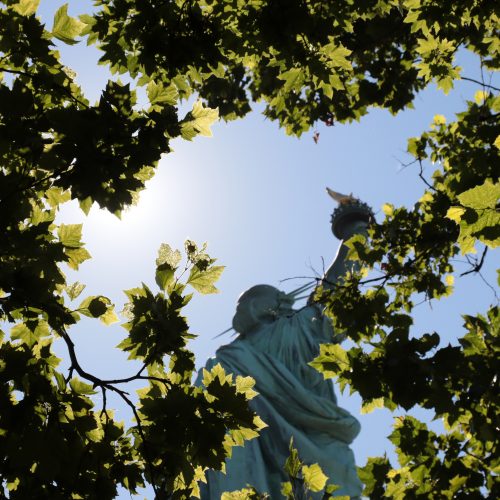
[260, 304]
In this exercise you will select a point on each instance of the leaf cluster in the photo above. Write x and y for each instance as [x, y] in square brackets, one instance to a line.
[307, 61]
[407, 257]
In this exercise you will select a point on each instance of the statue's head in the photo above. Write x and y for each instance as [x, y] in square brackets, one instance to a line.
[259, 305]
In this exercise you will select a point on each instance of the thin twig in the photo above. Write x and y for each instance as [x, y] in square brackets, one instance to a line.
[421, 175]
[480, 83]
[406, 165]
[103, 409]
[300, 278]
[477, 265]
[480, 274]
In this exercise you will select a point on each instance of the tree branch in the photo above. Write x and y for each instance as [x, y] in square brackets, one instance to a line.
[480, 83]
[478, 265]
[108, 385]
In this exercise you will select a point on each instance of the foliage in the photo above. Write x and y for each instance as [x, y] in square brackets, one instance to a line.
[327, 61]
[302, 481]
[56, 146]
[51, 432]
[307, 60]
[412, 252]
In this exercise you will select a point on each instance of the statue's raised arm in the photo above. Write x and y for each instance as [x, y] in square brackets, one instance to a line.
[275, 345]
[351, 217]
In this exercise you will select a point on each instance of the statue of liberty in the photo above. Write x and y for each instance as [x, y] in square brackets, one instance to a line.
[274, 345]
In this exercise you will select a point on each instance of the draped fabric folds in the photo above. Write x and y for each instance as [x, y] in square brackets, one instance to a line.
[295, 401]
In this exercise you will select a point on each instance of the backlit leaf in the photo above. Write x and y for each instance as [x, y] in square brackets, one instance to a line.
[158, 94]
[26, 7]
[480, 96]
[455, 213]
[166, 255]
[199, 122]
[81, 387]
[75, 290]
[70, 235]
[56, 196]
[372, 405]
[314, 478]
[486, 195]
[203, 281]
[76, 256]
[388, 209]
[66, 28]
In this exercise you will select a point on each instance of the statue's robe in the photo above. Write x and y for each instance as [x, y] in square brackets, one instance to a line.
[294, 401]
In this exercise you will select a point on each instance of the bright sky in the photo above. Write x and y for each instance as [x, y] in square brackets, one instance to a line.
[258, 198]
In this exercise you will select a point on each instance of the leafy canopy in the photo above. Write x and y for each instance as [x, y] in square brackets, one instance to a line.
[308, 62]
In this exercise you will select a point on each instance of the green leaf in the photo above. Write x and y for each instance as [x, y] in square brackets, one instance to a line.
[439, 120]
[109, 317]
[203, 281]
[445, 84]
[199, 121]
[455, 214]
[217, 372]
[244, 494]
[243, 434]
[467, 244]
[81, 387]
[314, 478]
[168, 256]
[158, 94]
[22, 332]
[38, 215]
[145, 174]
[60, 380]
[66, 28]
[166, 263]
[76, 256]
[331, 360]
[98, 307]
[56, 196]
[481, 219]
[86, 205]
[245, 386]
[293, 79]
[388, 209]
[30, 333]
[480, 96]
[70, 235]
[486, 195]
[287, 489]
[338, 56]
[292, 463]
[74, 290]
[26, 7]
[372, 405]
[164, 276]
